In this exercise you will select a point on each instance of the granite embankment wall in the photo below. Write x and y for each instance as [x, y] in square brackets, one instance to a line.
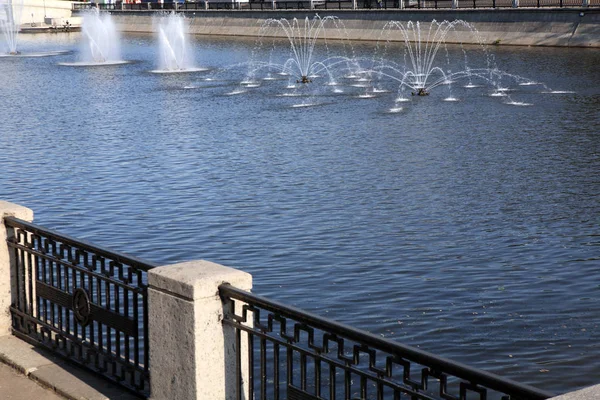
[532, 27]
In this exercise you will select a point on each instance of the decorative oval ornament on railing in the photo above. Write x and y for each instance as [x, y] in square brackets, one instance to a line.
[81, 306]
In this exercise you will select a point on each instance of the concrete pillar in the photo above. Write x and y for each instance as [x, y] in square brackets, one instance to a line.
[7, 267]
[585, 3]
[191, 352]
[515, 3]
[454, 4]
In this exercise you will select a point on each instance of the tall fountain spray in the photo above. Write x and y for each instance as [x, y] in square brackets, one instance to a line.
[426, 63]
[303, 35]
[10, 20]
[422, 69]
[102, 41]
[309, 57]
[173, 52]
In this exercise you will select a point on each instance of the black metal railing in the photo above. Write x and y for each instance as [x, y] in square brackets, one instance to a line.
[331, 5]
[286, 353]
[82, 302]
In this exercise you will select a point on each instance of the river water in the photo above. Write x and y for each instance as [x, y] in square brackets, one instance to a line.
[470, 229]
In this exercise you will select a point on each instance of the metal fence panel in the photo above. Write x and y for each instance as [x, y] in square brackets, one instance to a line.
[296, 355]
[84, 303]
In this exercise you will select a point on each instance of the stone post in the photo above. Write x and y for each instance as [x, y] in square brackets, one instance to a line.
[454, 4]
[192, 354]
[7, 266]
[585, 3]
[515, 3]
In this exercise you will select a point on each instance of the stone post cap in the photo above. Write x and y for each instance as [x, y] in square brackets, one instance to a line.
[14, 210]
[196, 279]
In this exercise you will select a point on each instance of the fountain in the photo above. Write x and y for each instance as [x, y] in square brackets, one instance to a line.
[102, 42]
[411, 58]
[304, 65]
[173, 52]
[423, 70]
[311, 67]
[10, 25]
[10, 19]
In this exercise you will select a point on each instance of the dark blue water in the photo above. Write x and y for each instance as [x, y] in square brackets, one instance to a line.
[470, 229]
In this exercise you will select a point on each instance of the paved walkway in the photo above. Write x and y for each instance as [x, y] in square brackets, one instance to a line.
[16, 386]
[27, 372]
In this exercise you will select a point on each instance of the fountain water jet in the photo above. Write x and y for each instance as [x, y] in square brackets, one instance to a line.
[305, 64]
[173, 52]
[424, 69]
[102, 43]
[10, 20]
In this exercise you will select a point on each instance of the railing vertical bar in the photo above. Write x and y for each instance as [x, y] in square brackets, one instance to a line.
[99, 302]
[90, 287]
[28, 275]
[127, 314]
[347, 382]
[363, 387]
[69, 287]
[43, 277]
[81, 284]
[302, 371]
[251, 365]
[318, 378]
[46, 270]
[136, 339]
[332, 380]
[263, 369]
[238, 363]
[117, 294]
[107, 306]
[276, 370]
[290, 366]
[55, 266]
[19, 254]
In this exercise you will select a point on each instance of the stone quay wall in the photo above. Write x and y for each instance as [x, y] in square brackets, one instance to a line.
[523, 27]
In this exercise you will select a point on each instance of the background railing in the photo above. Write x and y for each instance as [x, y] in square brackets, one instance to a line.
[296, 355]
[83, 302]
[335, 5]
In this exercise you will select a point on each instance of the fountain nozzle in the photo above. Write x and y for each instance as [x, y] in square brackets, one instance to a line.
[421, 92]
[304, 80]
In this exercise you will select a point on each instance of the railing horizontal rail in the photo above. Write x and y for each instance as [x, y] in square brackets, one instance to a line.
[364, 342]
[135, 262]
[75, 267]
